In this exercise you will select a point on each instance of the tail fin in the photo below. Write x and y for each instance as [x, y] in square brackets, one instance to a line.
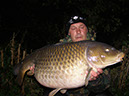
[20, 71]
[21, 68]
[20, 77]
[17, 70]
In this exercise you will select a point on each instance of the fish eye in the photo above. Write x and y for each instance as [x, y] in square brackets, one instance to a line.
[107, 50]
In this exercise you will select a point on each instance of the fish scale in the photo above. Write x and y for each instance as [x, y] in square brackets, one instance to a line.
[68, 65]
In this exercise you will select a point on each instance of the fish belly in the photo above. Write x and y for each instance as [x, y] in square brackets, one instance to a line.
[70, 78]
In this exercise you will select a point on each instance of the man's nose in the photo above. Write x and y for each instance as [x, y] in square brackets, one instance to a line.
[78, 30]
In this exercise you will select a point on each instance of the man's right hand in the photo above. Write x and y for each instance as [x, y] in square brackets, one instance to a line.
[94, 75]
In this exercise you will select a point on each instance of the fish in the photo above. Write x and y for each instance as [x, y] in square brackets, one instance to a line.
[64, 66]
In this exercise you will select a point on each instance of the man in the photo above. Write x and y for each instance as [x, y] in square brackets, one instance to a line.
[78, 31]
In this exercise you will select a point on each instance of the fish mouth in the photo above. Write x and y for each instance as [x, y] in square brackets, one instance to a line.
[121, 56]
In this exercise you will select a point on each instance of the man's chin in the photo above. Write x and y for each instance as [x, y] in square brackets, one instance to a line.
[79, 39]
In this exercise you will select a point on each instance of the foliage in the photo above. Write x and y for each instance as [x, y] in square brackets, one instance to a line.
[8, 84]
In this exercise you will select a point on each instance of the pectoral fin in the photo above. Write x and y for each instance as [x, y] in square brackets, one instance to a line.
[87, 77]
[52, 93]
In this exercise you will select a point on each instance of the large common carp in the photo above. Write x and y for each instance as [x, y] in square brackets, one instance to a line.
[64, 66]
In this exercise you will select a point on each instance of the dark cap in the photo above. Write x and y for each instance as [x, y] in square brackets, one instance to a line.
[75, 19]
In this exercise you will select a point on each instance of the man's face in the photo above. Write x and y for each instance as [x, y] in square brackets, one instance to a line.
[78, 32]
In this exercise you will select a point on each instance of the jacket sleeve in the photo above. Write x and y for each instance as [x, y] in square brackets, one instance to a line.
[101, 83]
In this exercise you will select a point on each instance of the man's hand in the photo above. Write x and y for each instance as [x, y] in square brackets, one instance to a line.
[94, 74]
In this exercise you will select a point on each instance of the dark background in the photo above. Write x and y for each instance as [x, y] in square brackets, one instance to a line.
[41, 22]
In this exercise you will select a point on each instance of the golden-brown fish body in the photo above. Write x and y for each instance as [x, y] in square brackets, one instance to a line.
[64, 66]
